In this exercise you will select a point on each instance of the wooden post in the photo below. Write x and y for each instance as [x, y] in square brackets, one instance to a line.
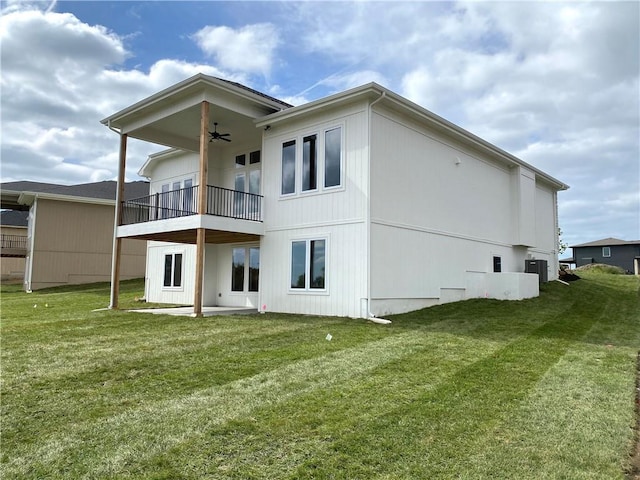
[117, 242]
[202, 206]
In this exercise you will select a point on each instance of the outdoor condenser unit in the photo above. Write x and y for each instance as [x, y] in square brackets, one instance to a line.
[539, 267]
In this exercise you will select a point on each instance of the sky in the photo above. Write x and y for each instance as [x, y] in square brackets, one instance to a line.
[554, 83]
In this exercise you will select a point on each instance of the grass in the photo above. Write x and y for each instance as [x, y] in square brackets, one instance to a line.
[542, 388]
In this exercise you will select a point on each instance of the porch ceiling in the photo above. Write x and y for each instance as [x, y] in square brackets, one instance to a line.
[189, 236]
[172, 117]
[182, 129]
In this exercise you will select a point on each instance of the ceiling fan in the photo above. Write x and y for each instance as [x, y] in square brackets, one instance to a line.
[215, 136]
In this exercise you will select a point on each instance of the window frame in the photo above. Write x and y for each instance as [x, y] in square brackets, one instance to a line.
[497, 263]
[246, 276]
[173, 255]
[308, 289]
[608, 250]
[320, 134]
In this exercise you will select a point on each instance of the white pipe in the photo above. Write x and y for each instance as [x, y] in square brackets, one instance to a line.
[382, 321]
[368, 210]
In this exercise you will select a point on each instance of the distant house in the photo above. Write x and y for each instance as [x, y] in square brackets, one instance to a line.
[68, 235]
[355, 204]
[610, 251]
[13, 244]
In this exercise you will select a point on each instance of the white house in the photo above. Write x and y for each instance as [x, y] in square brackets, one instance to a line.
[359, 203]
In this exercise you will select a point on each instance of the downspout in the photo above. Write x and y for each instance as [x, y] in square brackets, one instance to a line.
[370, 315]
[31, 229]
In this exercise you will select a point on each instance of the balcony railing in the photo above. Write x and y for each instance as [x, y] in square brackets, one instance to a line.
[221, 202]
[13, 241]
[13, 245]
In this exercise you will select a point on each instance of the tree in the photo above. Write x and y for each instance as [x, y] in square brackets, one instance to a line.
[562, 246]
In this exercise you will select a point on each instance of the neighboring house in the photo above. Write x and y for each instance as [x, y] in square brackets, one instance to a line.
[13, 244]
[356, 204]
[610, 251]
[70, 231]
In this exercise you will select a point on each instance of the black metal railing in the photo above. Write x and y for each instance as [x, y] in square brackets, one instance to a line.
[224, 202]
[17, 242]
[221, 202]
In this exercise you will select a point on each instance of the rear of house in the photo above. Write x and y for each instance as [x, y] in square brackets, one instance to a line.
[356, 204]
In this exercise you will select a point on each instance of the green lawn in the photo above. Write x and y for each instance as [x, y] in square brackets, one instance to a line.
[542, 388]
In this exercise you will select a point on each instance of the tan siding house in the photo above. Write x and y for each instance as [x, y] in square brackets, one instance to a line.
[13, 233]
[70, 233]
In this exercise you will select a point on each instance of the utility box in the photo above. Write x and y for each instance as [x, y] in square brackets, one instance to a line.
[539, 267]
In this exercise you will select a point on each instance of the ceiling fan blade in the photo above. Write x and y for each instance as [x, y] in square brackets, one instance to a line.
[225, 139]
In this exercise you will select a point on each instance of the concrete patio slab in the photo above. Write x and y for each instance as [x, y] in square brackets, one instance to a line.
[206, 311]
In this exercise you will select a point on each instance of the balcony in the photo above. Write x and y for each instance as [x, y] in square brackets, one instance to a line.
[13, 246]
[172, 216]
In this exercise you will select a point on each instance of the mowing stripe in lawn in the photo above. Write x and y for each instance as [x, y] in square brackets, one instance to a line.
[276, 439]
[114, 441]
[574, 424]
[455, 416]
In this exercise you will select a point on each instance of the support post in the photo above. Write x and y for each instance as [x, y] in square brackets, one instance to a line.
[202, 207]
[117, 242]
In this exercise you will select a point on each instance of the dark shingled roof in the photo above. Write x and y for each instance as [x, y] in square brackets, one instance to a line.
[14, 218]
[10, 191]
[607, 242]
[256, 92]
[104, 190]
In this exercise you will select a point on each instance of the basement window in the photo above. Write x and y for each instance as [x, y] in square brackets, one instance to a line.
[172, 270]
[497, 264]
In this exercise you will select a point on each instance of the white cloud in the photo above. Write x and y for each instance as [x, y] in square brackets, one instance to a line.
[60, 77]
[249, 49]
[556, 84]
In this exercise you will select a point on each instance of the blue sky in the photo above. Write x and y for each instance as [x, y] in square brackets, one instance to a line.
[554, 83]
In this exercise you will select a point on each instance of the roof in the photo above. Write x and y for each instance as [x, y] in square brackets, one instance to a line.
[608, 242]
[375, 92]
[14, 218]
[195, 82]
[106, 190]
[263, 95]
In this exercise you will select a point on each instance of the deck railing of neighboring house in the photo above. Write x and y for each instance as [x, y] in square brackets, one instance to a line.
[221, 202]
[19, 242]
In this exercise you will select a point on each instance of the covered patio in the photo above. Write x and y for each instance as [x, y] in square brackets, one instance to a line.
[187, 116]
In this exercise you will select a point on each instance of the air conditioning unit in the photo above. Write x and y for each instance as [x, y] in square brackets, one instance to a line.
[539, 267]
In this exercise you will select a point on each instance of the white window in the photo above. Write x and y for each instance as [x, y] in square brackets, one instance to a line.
[308, 264]
[313, 162]
[606, 251]
[333, 157]
[177, 199]
[288, 167]
[245, 274]
[247, 180]
[172, 270]
[309, 170]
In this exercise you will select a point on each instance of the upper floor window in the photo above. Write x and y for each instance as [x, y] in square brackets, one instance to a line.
[309, 171]
[332, 157]
[289, 167]
[176, 199]
[314, 163]
[606, 251]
